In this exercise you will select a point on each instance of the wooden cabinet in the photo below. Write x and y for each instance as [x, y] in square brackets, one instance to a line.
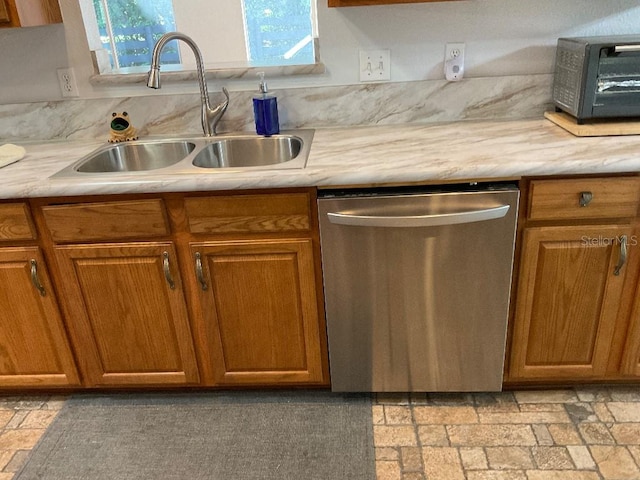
[630, 365]
[124, 304]
[127, 314]
[578, 267]
[255, 269]
[34, 350]
[259, 303]
[20, 13]
[568, 300]
[173, 290]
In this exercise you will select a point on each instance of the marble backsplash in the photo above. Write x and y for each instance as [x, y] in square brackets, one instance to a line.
[495, 98]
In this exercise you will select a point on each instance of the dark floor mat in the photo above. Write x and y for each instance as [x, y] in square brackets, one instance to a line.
[214, 435]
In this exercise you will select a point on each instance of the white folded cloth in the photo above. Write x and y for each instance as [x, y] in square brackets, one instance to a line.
[10, 153]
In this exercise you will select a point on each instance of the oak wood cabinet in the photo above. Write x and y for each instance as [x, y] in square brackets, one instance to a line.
[127, 314]
[34, 349]
[255, 271]
[568, 301]
[17, 13]
[210, 289]
[576, 278]
[630, 366]
[258, 300]
[124, 305]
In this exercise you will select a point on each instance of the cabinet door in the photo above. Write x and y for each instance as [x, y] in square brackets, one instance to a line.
[34, 351]
[630, 365]
[631, 358]
[567, 301]
[18, 13]
[257, 300]
[4, 13]
[127, 314]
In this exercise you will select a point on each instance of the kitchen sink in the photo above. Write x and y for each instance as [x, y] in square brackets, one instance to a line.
[249, 152]
[194, 155]
[135, 157]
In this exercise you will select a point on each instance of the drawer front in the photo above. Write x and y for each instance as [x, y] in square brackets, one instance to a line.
[15, 222]
[584, 198]
[106, 220]
[249, 213]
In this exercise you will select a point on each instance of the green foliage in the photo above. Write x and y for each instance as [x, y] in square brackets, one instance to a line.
[273, 27]
[135, 13]
[278, 8]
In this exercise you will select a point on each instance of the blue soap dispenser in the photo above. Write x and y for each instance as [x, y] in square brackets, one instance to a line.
[265, 110]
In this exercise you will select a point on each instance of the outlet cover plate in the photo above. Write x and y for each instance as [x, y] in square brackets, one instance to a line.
[67, 81]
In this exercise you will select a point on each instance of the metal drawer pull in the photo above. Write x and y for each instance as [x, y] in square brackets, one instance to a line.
[34, 278]
[199, 273]
[627, 48]
[622, 259]
[585, 198]
[167, 270]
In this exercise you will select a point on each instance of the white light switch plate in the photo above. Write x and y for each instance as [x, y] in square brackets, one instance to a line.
[375, 65]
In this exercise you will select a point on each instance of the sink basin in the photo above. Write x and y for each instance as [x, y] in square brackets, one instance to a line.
[133, 157]
[231, 152]
[249, 152]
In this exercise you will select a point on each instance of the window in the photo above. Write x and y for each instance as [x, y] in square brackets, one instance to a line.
[129, 29]
[276, 32]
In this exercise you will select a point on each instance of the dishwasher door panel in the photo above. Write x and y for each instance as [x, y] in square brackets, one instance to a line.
[413, 308]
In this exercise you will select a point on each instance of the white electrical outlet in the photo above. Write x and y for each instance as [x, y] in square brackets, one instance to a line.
[67, 81]
[375, 65]
[454, 61]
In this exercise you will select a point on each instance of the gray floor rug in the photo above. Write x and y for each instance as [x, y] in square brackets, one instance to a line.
[246, 435]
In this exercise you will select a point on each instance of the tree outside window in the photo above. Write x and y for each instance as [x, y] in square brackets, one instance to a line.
[278, 32]
[130, 28]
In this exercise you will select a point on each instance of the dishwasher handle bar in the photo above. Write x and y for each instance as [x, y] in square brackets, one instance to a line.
[432, 220]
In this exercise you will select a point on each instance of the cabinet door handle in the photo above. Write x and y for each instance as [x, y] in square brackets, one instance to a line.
[622, 259]
[34, 278]
[167, 270]
[199, 272]
[585, 198]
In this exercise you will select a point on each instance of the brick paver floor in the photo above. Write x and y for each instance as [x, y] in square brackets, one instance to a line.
[23, 420]
[574, 434]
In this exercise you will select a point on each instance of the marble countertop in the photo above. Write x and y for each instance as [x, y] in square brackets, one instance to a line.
[433, 153]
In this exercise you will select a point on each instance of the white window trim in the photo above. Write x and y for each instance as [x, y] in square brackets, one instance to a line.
[106, 75]
[169, 75]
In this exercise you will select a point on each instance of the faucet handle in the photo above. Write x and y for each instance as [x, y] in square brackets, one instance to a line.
[215, 114]
[225, 104]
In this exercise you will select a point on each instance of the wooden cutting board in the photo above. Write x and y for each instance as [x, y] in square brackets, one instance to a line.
[598, 128]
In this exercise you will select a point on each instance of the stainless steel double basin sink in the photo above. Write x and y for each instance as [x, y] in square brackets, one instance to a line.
[194, 155]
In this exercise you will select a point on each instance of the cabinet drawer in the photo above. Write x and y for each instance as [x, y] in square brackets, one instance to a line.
[15, 222]
[603, 197]
[284, 212]
[106, 220]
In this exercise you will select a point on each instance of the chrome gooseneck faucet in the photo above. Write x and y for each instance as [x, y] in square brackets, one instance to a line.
[210, 116]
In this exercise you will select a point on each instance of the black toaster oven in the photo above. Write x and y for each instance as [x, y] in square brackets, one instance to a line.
[598, 77]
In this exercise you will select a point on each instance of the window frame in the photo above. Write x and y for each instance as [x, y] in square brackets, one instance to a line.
[105, 74]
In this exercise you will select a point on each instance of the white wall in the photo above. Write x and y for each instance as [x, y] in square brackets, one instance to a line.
[503, 37]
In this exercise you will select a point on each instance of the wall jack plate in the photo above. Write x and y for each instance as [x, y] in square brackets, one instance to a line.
[454, 61]
[375, 65]
[67, 81]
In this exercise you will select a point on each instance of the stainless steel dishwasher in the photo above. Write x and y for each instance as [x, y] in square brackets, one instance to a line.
[417, 286]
